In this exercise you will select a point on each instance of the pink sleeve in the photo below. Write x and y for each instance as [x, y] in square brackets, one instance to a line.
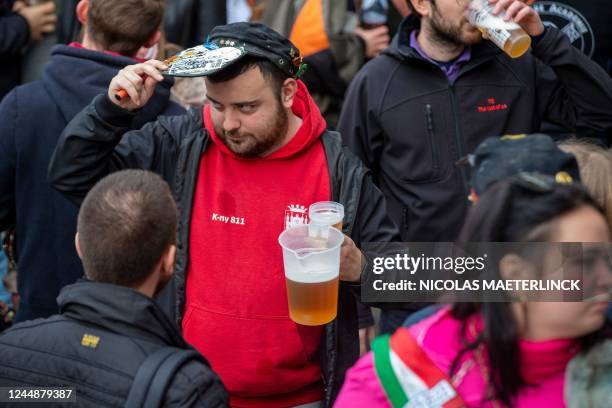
[361, 387]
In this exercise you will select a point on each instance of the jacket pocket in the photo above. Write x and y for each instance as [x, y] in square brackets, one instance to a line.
[415, 145]
[255, 357]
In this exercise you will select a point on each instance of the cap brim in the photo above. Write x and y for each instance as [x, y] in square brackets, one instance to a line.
[200, 61]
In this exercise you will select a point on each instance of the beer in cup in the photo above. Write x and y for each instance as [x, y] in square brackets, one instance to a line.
[312, 269]
[328, 213]
[507, 35]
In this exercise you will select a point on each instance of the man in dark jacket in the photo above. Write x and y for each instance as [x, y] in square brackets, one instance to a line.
[17, 28]
[243, 169]
[34, 115]
[108, 324]
[439, 91]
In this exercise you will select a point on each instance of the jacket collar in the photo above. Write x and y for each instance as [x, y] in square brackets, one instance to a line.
[118, 309]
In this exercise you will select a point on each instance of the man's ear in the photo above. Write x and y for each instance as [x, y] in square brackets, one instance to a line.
[77, 245]
[153, 40]
[82, 10]
[422, 7]
[288, 92]
[167, 262]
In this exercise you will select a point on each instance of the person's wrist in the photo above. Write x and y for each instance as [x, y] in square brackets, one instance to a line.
[535, 39]
[539, 31]
[113, 113]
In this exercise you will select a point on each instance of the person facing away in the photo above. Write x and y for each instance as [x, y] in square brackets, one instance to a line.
[512, 353]
[33, 117]
[439, 90]
[243, 168]
[108, 323]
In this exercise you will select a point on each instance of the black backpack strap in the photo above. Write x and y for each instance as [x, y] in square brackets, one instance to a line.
[154, 376]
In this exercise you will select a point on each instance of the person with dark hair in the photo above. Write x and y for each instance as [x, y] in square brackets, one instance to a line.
[439, 90]
[514, 352]
[244, 168]
[33, 117]
[109, 325]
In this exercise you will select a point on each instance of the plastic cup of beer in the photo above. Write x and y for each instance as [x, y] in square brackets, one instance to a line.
[312, 269]
[328, 213]
[507, 35]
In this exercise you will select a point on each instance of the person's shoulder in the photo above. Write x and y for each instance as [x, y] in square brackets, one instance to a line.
[332, 140]
[30, 95]
[196, 384]
[32, 330]
[186, 124]
[378, 68]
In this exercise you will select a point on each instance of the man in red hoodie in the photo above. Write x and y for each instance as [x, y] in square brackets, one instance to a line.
[243, 168]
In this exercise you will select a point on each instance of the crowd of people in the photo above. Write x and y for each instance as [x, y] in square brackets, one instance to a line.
[141, 212]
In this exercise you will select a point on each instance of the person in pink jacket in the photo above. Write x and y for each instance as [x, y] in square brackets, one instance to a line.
[511, 354]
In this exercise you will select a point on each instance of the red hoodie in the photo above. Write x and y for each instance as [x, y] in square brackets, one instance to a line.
[237, 313]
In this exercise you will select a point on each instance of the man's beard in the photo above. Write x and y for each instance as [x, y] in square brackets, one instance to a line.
[446, 33]
[250, 146]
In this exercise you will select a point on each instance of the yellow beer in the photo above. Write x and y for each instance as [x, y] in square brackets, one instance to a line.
[312, 303]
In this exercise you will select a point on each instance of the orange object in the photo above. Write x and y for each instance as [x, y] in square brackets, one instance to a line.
[121, 95]
[308, 33]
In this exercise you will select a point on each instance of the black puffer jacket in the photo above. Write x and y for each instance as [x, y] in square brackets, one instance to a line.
[129, 327]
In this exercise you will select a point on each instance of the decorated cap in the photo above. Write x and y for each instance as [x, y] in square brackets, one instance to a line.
[229, 43]
[499, 158]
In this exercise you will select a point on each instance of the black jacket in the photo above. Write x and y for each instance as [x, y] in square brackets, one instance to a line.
[586, 23]
[33, 117]
[129, 326]
[14, 35]
[405, 120]
[95, 143]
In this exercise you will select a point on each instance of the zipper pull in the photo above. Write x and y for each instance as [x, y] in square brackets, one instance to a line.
[429, 117]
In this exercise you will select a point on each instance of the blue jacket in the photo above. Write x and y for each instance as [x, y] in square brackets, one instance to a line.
[32, 118]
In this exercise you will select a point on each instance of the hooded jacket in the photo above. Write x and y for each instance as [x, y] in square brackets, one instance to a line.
[405, 120]
[33, 117]
[100, 140]
[97, 343]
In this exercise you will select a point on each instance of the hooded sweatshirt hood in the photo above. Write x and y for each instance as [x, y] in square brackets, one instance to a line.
[313, 126]
[74, 76]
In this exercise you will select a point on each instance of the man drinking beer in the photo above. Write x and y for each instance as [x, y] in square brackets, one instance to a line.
[243, 168]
